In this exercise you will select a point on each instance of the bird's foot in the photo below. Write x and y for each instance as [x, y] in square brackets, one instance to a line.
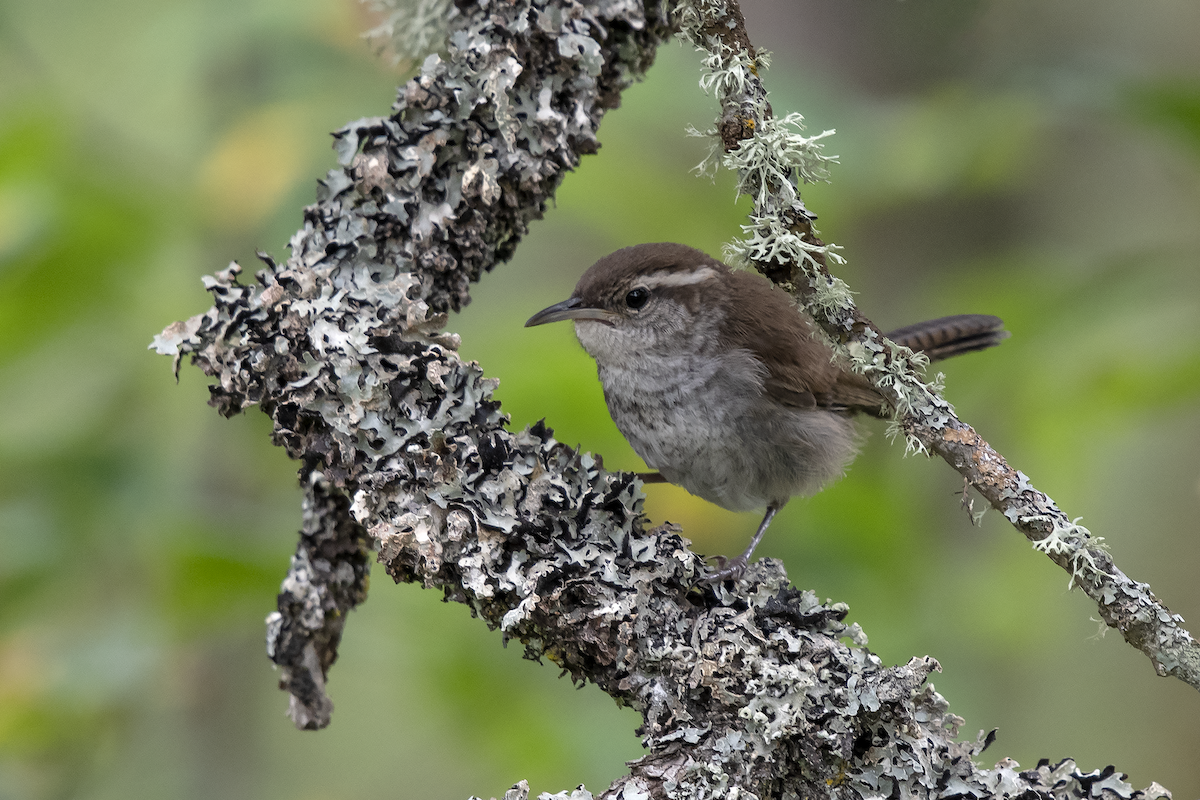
[728, 569]
[734, 568]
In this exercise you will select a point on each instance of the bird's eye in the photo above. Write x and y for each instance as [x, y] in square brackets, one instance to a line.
[637, 297]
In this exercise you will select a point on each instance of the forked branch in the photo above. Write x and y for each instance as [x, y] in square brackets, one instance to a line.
[764, 692]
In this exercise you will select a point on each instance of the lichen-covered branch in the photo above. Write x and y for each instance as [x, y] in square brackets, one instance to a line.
[328, 577]
[763, 692]
[770, 157]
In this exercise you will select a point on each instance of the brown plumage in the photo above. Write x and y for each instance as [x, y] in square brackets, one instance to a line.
[720, 382]
[802, 372]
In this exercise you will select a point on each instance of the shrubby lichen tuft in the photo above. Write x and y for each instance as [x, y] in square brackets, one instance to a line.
[412, 28]
[747, 693]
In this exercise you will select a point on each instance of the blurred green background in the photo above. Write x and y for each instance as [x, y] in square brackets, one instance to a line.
[1039, 161]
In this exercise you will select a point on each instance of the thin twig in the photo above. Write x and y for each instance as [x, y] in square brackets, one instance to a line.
[799, 261]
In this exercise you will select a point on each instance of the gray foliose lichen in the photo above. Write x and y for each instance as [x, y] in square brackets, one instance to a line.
[754, 693]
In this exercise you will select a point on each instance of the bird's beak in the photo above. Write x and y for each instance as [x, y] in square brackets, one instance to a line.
[571, 308]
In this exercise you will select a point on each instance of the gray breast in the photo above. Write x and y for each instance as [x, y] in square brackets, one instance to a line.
[706, 425]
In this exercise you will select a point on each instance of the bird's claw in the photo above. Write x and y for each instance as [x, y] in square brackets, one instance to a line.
[727, 569]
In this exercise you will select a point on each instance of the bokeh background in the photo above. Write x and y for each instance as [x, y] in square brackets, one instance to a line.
[1039, 161]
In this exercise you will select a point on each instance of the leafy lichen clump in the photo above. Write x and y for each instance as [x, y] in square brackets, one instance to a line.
[404, 451]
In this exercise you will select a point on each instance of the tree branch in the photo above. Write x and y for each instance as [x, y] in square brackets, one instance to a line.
[783, 244]
[751, 693]
[327, 578]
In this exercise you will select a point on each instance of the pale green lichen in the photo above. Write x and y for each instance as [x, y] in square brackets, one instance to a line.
[769, 239]
[412, 28]
[1072, 540]
[768, 163]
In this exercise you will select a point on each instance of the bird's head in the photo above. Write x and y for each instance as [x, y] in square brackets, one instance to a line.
[643, 299]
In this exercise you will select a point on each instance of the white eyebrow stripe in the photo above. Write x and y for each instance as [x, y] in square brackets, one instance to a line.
[656, 279]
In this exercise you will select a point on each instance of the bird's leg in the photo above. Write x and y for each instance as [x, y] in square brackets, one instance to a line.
[734, 567]
[651, 477]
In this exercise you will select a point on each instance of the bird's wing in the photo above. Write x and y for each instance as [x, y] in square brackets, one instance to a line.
[801, 371]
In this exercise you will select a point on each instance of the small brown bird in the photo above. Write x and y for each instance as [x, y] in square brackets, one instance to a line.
[716, 379]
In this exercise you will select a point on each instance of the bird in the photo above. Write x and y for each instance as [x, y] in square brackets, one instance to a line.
[720, 382]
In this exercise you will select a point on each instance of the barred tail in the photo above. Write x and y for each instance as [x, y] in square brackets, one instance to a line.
[950, 336]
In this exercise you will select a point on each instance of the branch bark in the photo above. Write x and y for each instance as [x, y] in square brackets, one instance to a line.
[783, 244]
[764, 692]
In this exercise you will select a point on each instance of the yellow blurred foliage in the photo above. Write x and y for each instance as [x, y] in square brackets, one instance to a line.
[253, 166]
[23, 673]
[24, 212]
